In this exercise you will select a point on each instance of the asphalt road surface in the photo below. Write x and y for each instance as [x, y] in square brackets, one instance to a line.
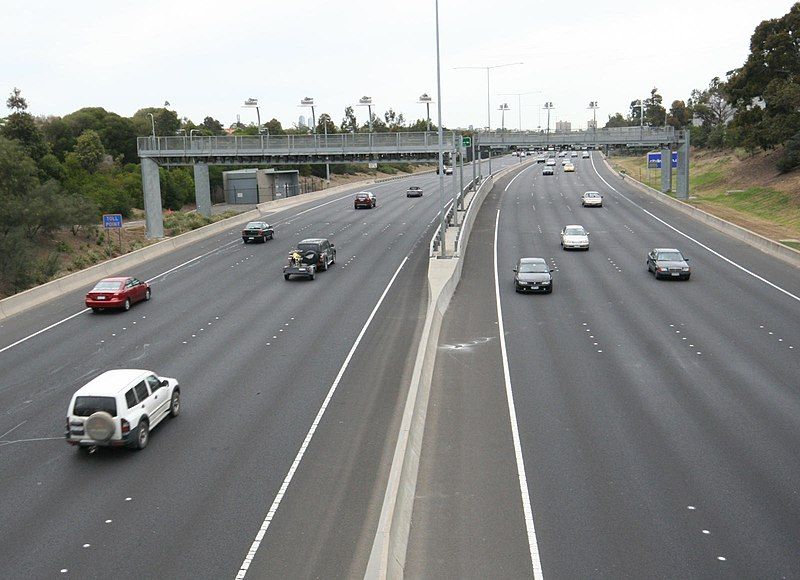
[655, 425]
[258, 360]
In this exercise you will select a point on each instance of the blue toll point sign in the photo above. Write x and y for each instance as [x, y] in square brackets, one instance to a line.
[654, 160]
[112, 220]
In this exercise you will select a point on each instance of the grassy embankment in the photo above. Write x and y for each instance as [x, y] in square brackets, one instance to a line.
[744, 189]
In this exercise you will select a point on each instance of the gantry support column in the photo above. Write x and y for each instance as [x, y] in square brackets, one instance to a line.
[151, 187]
[202, 189]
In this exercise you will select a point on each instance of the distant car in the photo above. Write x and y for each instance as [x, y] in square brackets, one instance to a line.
[574, 237]
[585, 155]
[523, 153]
[562, 153]
[547, 170]
[414, 191]
[448, 170]
[592, 199]
[541, 159]
[309, 256]
[565, 162]
[119, 408]
[569, 167]
[573, 154]
[257, 231]
[533, 275]
[551, 162]
[365, 199]
[120, 292]
[668, 263]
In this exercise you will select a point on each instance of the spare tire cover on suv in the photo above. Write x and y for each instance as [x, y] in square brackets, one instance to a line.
[310, 257]
[100, 426]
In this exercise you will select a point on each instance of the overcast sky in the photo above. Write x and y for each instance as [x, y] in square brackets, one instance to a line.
[206, 58]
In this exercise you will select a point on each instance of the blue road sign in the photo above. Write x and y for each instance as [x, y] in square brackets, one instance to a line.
[654, 160]
[112, 220]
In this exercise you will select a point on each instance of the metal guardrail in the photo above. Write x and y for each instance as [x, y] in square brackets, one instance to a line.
[333, 144]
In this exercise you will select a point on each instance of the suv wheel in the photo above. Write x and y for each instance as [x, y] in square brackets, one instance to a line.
[143, 435]
[175, 404]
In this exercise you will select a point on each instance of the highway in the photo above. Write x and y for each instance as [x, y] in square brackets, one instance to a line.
[643, 429]
[292, 393]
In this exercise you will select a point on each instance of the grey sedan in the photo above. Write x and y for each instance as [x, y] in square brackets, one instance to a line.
[533, 275]
[668, 263]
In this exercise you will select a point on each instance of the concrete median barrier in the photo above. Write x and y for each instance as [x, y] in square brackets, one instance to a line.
[387, 558]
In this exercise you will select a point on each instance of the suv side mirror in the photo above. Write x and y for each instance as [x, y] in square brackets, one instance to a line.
[164, 383]
[332, 245]
[515, 269]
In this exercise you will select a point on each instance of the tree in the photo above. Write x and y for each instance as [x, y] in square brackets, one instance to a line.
[166, 122]
[654, 112]
[616, 120]
[22, 127]
[679, 115]
[212, 126]
[711, 106]
[768, 80]
[349, 123]
[89, 150]
[16, 102]
[274, 127]
[790, 159]
[324, 123]
[394, 121]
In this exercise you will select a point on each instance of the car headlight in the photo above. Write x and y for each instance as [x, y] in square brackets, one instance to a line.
[545, 282]
[685, 269]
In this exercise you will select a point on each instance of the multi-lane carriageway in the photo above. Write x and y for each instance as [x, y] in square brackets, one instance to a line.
[653, 424]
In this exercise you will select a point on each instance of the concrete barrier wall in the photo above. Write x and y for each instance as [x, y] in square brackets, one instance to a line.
[40, 294]
[758, 241]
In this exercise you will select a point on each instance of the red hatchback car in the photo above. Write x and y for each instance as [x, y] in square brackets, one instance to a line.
[365, 199]
[119, 292]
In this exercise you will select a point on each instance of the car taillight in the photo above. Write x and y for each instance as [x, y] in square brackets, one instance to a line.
[126, 427]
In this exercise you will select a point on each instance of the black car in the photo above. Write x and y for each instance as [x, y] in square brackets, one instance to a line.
[668, 263]
[533, 275]
[309, 256]
[257, 231]
[414, 191]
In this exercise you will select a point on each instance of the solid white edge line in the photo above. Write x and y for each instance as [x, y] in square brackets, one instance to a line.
[296, 463]
[523, 480]
[515, 177]
[690, 238]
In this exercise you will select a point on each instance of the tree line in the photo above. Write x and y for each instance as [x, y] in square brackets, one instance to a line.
[756, 106]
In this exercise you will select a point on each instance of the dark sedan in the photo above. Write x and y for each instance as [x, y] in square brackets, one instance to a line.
[668, 263]
[533, 275]
[257, 231]
[120, 292]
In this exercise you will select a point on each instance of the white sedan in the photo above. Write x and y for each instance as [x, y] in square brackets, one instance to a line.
[574, 237]
[592, 199]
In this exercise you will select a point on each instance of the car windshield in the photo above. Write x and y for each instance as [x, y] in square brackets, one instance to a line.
[531, 268]
[306, 247]
[255, 225]
[670, 256]
[591, 194]
[107, 285]
[579, 231]
[362, 196]
[85, 406]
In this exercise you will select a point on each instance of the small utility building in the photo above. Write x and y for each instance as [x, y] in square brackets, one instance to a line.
[259, 185]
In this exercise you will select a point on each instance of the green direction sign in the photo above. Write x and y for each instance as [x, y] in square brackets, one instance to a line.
[466, 141]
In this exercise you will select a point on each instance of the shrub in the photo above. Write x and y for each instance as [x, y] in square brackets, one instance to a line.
[790, 159]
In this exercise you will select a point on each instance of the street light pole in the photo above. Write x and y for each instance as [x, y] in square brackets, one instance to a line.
[519, 102]
[442, 221]
[424, 98]
[549, 106]
[488, 103]
[503, 108]
[309, 102]
[252, 103]
[367, 102]
[594, 106]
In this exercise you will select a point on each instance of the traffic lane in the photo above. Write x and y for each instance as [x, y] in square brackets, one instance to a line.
[468, 519]
[186, 373]
[326, 522]
[20, 326]
[557, 323]
[745, 255]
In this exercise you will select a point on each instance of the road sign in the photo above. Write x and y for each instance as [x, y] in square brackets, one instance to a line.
[466, 141]
[654, 160]
[112, 220]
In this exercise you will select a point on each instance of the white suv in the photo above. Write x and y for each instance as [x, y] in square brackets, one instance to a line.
[120, 407]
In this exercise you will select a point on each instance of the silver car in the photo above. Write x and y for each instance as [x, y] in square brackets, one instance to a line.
[574, 237]
[592, 199]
